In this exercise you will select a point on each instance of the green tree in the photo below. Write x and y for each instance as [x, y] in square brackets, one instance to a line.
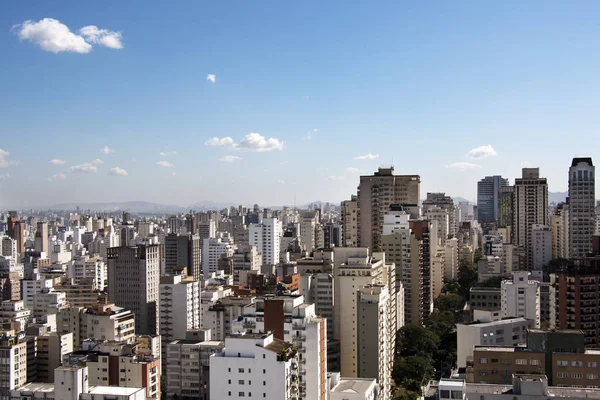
[416, 368]
[467, 276]
[414, 339]
[449, 302]
[412, 385]
[493, 282]
[403, 394]
[451, 286]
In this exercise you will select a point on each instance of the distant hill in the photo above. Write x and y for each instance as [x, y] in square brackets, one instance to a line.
[133, 206]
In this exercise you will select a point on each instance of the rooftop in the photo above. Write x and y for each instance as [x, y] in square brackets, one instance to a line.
[355, 385]
[114, 390]
[494, 323]
[37, 387]
[277, 346]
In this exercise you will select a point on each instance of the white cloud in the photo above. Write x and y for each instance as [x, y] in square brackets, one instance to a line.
[52, 35]
[117, 171]
[367, 157]
[463, 166]
[281, 181]
[352, 170]
[168, 153]
[57, 162]
[57, 177]
[165, 164]
[84, 168]
[258, 143]
[230, 159]
[107, 150]
[103, 37]
[211, 78]
[335, 178]
[482, 152]
[97, 161]
[216, 142]
[4, 161]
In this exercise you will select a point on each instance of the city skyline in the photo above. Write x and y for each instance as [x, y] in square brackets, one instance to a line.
[218, 108]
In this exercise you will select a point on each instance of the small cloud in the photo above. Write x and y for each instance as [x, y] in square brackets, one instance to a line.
[165, 164]
[334, 178]
[219, 142]
[168, 153]
[230, 159]
[103, 37]
[281, 181]
[311, 134]
[52, 35]
[352, 170]
[463, 166]
[211, 78]
[4, 161]
[367, 157]
[255, 142]
[57, 162]
[107, 150]
[482, 152]
[84, 168]
[97, 161]
[117, 171]
[57, 177]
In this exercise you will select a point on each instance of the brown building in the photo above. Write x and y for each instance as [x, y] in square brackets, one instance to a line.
[376, 193]
[559, 354]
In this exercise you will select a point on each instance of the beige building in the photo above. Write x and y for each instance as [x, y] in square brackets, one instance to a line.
[83, 294]
[376, 193]
[350, 222]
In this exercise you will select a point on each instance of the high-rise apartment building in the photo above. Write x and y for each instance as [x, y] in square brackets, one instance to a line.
[582, 215]
[183, 251]
[376, 193]
[266, 237]
[521, 298]
[350, 222]
[488, 193]
[541, 248]
[179, 307]
[531, 208]
[506, 214]
[559, 224]
[133, 283]
[13, 364]
[213, 250]
[446, 203]
[207, 229]
[41, 237]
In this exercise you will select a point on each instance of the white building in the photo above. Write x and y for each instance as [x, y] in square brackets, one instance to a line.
[13, 358]
[88, 267]
[352, 388]
[179, 307]
[257, 366]
[212, 250]
[308, 226]
[521, 298]
[266, 237]
[541, 248]
[508, 332]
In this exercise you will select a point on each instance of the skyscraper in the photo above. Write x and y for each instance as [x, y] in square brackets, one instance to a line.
[581, 204]
[134, 282]
[41, 237]
[183, 251]
[488, 190]
[376, 194]
[531, 208]
[266, 237]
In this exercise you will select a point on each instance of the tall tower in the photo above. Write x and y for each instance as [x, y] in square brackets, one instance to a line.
[41, 237]
[581, 204]
[376, 194]
[134, 282]
[531, 208]
[488, 193]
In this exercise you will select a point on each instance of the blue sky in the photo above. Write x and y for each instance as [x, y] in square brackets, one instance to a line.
[417, 84]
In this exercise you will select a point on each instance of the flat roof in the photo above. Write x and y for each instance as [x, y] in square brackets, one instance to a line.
[494, 323]
[459, 383]
[36, 387]
[114, 390]
[353, 385]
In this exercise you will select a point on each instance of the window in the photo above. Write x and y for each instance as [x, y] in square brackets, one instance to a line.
[562, 363]
[241, 394]
[592, 376]
[577, 363]
[521, 361]
[506, 362]
[457, 394]
[577, 375]
[229, 381]
[483, 360]
[592, 364]
[241, 382]
[562, 374]
[445, 394]
[241, 370]
[534, 362]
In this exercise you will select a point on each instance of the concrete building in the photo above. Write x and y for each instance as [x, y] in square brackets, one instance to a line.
[376, 193]
[266, 237]
[207, 229]
[506, 211]
[83, 294]
[541, 248]
[376, 337]
[134, 279]
[8, 247]
[521, 298]
[213, 250]
[582, 216]
[531, 208]
[308, 227]
[255, 365]
[350, 222]
[508, 332]
[41, 238]
[245, 258]
[85, 267]
[352, 389]
[50, 349]
[13, 364]
[179, 306]
[488, 194]
[485, 298]
[446, 203]
[559, 228]
[183, 251]
[188, 368]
